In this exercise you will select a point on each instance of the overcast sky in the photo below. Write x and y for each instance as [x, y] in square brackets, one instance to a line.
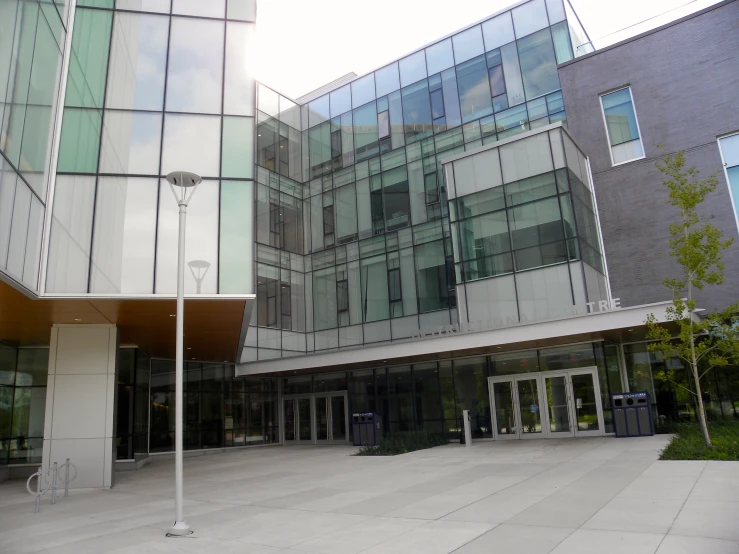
[304, 44]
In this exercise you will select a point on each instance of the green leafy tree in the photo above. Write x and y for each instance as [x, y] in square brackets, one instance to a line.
[701, 342]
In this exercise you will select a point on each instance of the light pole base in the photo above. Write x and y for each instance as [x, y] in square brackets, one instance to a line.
[179, 529]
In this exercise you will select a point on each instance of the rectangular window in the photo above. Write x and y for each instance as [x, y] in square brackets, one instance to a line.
[497, 84]
[393, 280]
[328, 220]
[383, 124]
[437, 104]
[431, 188]
[730, 156]
[621, 126]
[342, 296]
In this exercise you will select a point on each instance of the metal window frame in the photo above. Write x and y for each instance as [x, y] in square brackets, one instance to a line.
[636, 118]
[734, 201]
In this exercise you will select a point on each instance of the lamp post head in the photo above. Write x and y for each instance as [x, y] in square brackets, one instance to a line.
[183, 180]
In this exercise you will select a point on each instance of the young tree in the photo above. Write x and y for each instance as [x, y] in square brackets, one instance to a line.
[701, 342]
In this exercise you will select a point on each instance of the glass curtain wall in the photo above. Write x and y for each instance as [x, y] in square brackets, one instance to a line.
[352, 210]
[149, 92]
[669, 384]
[32, 39]
[132, 408]
[220, 410]
[431, 396]
[526, 233]
[23, 376]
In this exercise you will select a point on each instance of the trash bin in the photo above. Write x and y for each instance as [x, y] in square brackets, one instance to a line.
[366, 428]
[632, 414]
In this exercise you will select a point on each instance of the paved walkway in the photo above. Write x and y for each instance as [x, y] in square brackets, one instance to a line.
[594, 496]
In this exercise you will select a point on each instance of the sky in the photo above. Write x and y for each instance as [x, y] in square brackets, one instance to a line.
[302, 45]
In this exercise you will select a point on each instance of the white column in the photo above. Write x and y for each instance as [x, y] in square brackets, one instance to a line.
[81, 402]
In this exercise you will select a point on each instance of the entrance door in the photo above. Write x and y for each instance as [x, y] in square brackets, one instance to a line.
[546, 405]
[516, 406]
[332, 417]
[316, 418]
[297, 415]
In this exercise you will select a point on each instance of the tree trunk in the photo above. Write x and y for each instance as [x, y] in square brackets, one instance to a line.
[701, 408]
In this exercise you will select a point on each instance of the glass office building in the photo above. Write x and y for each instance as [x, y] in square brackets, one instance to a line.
[417, 241]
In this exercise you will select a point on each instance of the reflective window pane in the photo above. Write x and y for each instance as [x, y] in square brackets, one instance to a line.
[71, 228]
[620, 116]
[195, 65]
[211, 8]
[268, 101]
[538, 64]
[89, 60]
[439, 56]
[80, 141]
[363, 90]
[191, 143]
[123, 237]
[387, 79]
[236, 244]
[245, 10]
[160, 6]
[201, 248]
[238, 94]
[468, 44]
[131, 143]
[416, 111]
[529, 18]
[319, 110]
[498, 31]
[340, 100]
[238, 147]
[138, 58]
[412, 68]
[556, 11]
[474, 89]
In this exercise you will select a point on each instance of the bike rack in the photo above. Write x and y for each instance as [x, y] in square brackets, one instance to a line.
[52, 478]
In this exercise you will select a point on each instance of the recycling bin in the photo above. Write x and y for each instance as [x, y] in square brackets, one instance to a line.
[366, 428]
[632, 414]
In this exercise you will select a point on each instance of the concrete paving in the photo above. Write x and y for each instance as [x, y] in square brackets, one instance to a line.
[594, 495]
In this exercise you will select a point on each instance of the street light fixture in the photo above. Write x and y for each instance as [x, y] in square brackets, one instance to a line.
[183, 185]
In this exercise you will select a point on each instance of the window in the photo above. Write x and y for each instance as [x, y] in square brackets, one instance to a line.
[431, 188]
[730, 156]
[342, 296]
[621, 126]
[328, 220]
[383, 124]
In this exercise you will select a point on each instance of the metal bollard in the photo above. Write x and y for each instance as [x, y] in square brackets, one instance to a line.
[66, 479]
[54, 472]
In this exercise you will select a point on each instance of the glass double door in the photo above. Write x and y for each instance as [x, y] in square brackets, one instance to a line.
[315, 418]
[546, 405]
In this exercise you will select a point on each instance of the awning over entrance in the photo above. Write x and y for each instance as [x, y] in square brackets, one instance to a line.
[619, 325]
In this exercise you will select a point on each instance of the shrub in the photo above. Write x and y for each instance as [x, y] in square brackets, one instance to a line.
[688, 443]
[403, 443]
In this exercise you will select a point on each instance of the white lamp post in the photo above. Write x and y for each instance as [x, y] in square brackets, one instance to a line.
[183, 185]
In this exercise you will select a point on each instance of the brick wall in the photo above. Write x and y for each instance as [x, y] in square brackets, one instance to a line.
[685, 83]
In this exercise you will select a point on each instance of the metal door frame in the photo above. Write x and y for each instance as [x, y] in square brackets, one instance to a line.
[572, 401]
[539, 377]
[296, 398]
[514, 379]
[312, 396]
[330, 416]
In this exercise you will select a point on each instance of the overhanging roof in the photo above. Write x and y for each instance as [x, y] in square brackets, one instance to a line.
[615, 325]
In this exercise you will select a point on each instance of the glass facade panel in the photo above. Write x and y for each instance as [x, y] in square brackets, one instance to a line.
[239, 85]
[387, 80]
[468, 44]
[195, 65]
[71, 234]
[412, 68]
[474, 89]
[123, 236]
[363, 89]
[191, 141]
[138, 57]
[529, 18]
[131, 143]
[238, 147]
[89, 60]
[80, 141]
[498, 31]
[237, 206]
[201, 248]
[212, 8]
[621, 126]
[538, 64]
[439, 56]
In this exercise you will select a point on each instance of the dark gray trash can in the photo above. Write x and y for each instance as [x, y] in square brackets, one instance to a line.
[366, 428]
[632, 414]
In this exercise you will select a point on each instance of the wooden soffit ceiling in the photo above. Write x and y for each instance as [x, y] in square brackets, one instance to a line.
[213, 325]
